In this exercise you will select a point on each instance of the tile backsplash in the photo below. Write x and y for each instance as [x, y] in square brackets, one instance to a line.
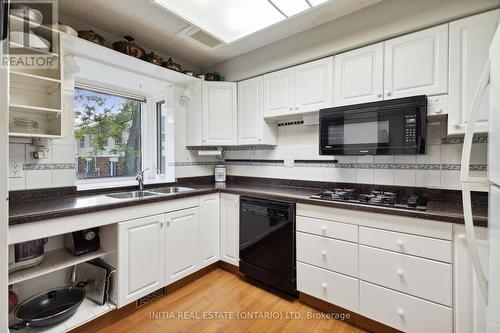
[296, 157]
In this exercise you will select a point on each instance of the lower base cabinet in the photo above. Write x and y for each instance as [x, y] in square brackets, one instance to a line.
[159, 250]
[230, 228]
[404, 312]
[141, 258]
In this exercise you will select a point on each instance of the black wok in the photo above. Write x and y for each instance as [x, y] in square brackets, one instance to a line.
[50, 307]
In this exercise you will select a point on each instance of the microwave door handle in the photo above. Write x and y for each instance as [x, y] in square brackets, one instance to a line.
[471, 124]
[472, 242]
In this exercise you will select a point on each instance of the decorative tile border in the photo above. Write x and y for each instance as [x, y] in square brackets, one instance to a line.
[455, 141]
[232, 148]
[50, 166]
[291, 123]
[243, 162]
[206, 163]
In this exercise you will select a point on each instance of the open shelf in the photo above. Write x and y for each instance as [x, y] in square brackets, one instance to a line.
[53, 261]
[29, 108]
[16, 46]
[17, 24]
[24, 78]
[88, 311]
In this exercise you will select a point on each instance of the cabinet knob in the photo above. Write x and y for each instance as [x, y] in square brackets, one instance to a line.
[399, 243]
[204, 140]
[400, 273]
[438, 110]
[379, 95]
[455, 125]
[168, 223]
[401, 312]
[323, 229]
[323, 253]
[296, 108]
[260, 140]
[291, 108]
[461, 236]
[161, 224]
[388, 94]
[324, 285]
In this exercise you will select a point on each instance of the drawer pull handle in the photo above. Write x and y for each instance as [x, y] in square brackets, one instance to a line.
[399, 242]
[323, 253]
[400, 273]
[401, 312]
[324, 285]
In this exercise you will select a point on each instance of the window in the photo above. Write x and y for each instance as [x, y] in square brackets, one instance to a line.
[161, 136]
[100, 117]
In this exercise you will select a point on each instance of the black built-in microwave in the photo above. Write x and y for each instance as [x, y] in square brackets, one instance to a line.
[391, 127]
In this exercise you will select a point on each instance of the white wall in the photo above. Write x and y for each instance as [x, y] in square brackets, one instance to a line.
[384, 20]
[438, 168]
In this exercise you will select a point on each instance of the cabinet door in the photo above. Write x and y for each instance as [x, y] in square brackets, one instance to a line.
[469, 307]
[219, 113]
[359, 75]
[250, 111]
[181, 243]
[279, 93]
[209, 229]
[417, 64]
[230, 226]
[314, 85]
[470, 40]
[140, 258]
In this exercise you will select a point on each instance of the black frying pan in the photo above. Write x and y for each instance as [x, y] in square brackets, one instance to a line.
[50, 307]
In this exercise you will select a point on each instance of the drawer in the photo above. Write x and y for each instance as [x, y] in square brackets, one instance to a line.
[406, 313]
[331, 287]
[331, 254]
[419, 277]
[329, 229]
[431, 248]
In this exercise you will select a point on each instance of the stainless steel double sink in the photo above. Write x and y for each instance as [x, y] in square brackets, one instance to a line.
[149, 193]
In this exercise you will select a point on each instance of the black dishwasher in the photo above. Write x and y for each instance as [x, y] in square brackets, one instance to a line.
[267, 242]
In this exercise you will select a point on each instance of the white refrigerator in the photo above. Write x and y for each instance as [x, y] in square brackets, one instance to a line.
[488, 280]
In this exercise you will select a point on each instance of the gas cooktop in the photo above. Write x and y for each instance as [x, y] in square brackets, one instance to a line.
[375, 198]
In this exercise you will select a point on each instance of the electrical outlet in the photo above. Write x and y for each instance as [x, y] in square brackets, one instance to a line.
[289, 162]
[16, 169]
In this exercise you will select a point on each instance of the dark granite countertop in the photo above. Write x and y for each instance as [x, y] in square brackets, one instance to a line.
[37, 209]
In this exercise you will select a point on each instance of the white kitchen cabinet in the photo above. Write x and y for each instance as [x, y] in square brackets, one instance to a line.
[252, 128]
[359, 75]
[279, 93]
[181, 243]
[314, 85]
[300, 89]
[470, 40]
[417, 63]
[209, 229]
[219, 113]
[469, 307]
[141, 257]
[230, 228]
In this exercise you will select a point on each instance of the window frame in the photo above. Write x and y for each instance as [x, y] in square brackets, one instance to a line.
[149, 142]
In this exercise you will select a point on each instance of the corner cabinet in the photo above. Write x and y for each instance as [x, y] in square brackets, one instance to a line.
[219, 113]
[417, 63]
[252, 128]
[141, 257]
[470, 40]
[300, 89]
[359, 75]
[230, 228]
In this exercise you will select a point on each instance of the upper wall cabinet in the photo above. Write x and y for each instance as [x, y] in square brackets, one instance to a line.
[359, 75]
[304, 88]
[219, 113]
[470, 40]
[252, 129]
[417, 63]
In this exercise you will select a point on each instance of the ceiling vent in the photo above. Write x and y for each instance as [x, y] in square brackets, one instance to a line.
[200, 38]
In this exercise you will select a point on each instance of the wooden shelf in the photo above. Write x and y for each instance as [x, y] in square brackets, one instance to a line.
[88, 311]
[40, 51]
[33, 80]
[30, 108]
[53, 261]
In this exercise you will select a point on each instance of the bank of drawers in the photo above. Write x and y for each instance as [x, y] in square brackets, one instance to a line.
[402, 280]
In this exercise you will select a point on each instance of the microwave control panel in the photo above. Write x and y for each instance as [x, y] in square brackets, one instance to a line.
[410, 129]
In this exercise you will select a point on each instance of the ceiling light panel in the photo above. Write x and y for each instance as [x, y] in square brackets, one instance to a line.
[227, 20]
[291, 7]
[317, 2]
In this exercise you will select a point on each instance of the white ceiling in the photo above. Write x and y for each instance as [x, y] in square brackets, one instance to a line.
[154, 28]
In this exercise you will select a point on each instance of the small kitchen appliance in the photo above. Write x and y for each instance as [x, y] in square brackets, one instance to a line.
[83, 241]
[27, 254]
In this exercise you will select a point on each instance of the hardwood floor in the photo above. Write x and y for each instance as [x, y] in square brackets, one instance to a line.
[224, 294]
